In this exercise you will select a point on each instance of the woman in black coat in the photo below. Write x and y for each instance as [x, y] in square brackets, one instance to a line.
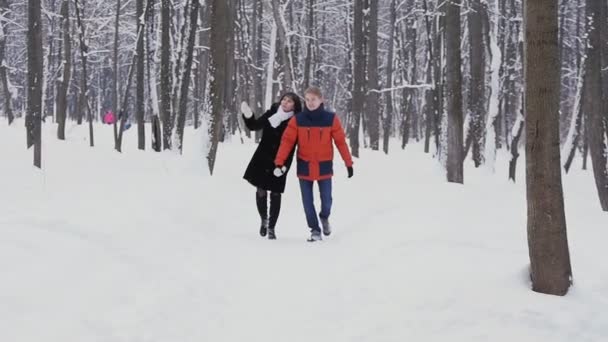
[260, 169]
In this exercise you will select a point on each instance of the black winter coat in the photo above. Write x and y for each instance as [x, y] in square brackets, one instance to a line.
[260, 169]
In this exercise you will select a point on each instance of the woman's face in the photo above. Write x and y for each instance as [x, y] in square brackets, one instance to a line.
[287, 104]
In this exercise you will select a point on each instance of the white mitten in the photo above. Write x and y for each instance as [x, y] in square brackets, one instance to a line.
[279, 171]
[246, 110]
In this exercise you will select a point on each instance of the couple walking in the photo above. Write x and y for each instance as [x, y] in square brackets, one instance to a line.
[313, 129]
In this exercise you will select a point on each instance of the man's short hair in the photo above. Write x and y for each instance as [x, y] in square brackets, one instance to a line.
[314, 91]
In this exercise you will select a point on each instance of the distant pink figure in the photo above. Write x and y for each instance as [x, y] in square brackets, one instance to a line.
[109, 118]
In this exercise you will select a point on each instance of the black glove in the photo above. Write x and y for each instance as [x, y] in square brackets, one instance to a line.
[350, 171]
[275, 107]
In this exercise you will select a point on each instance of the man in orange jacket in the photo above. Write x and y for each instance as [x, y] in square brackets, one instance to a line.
[314, 130]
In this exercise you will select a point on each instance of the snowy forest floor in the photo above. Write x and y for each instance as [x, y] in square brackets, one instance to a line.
[144, 246]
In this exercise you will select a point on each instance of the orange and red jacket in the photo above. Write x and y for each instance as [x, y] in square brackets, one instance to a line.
[314, 132]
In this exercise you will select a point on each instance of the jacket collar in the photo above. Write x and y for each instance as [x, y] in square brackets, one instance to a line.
[312, 113]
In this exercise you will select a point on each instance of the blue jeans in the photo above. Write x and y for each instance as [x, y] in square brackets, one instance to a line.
[306, 188]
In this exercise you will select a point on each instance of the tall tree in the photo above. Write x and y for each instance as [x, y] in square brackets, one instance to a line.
[140, 20]
[6, 93]
[309, 43]
[409, 74]
[358, 91]
[550, 268]
[165, 73]
[219, 29]
[34, 80]
[151, 46]
[514, 103]
[388, 120]
[284, 45]
[84, 53]
[477, 64]
[603, 26]
[454, 93]
[66, 71]
[115, 71]
[372, 97]
[185, 79]
[431, 95]
[597, 118]
[203, 62]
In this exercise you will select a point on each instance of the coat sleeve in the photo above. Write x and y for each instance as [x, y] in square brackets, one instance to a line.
[337, 133]
[288, 140]
[254, 124]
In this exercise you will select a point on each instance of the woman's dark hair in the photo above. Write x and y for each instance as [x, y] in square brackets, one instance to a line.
[297, 103]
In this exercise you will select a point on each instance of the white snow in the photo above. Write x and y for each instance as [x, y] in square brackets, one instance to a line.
[145, 246]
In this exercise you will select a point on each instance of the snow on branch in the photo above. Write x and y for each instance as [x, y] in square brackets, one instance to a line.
[403, 86]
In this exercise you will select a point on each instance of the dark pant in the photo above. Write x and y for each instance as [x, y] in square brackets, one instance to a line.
[261, 199]
[306, 188]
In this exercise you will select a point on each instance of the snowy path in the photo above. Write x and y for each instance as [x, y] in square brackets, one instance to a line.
[144, 247]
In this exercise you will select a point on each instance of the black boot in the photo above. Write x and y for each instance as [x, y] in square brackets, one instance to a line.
[271, 234]
[264, 228]
[261, 200]
[275, 209]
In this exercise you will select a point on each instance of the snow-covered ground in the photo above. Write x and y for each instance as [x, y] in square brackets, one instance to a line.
[142, 246]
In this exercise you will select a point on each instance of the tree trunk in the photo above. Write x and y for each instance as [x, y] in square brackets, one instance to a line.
[574, 131]
[84, 52]
[358, 77]
[439, 78]
[258, 73]
[404, 56]
[203, 64]
[3, 72]
[284, 46]
[165, 73]
[115, 71]
[178, 53]
[185, 79]
[477, 64]
[388, 120]
[519, 124]
[309, 44]
[454, 94]
[604, 61]
[493, 123]
[34, 80]
[48, 86]
[550, 268]
[64, 81]
[219, 30]
[230, 105]
[155, 135]
[431, 97]
[585, 143]
[412, 114]
[596, 115]
[122, 113]
[372, 97]
[140, 21]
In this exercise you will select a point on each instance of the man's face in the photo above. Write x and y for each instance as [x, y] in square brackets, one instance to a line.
[312, 101]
